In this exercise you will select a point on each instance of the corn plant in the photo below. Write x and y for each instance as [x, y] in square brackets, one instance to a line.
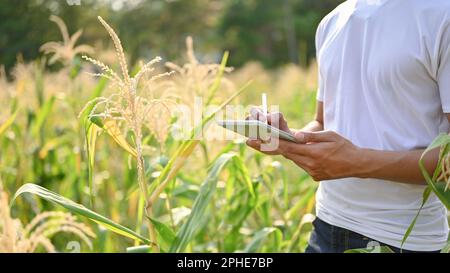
[156, 192]
[16, 238]
[128, 107]
[437, 183]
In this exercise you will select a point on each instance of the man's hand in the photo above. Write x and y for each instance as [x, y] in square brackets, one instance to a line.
[275, 119]
[327, 155]
[323, 155]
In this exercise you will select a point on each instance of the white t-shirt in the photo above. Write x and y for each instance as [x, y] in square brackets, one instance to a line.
[384, 80]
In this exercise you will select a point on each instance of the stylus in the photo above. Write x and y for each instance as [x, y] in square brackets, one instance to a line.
[264, 105]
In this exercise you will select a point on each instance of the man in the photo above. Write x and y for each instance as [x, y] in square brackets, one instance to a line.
[384, 95]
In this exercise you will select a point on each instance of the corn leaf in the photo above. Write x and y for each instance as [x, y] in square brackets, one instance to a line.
[186, 148]
[80, 210]
[426, 195]
[166, 233]
[245, 176]
[217, 81]
[438, 188]
[98, 90]
[305, 222]
[446, 249]
[110, 126]
[52, 144]
[208, 188]
[8, 123]
[42, 115]
[260, 237]
[91, 133]
[293, 212]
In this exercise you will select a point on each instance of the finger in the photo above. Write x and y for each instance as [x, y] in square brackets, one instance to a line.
[287, 147]
[321, 136]
[253, 143]
[256, 144]
[277, 120]
[275, 117]
[257, 114]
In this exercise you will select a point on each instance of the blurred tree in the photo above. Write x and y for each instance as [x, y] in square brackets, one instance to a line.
[163, 25]
[21, 29]
[273, 32]
[25, 26]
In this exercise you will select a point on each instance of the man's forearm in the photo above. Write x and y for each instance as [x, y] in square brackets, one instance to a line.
[401, 167]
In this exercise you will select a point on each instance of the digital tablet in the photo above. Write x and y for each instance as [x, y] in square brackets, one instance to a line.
[255, 129]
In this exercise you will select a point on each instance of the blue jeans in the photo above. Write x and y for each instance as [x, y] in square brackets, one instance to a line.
[326, 238]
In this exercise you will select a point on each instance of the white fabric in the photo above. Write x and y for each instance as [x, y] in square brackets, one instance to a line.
[384, 79]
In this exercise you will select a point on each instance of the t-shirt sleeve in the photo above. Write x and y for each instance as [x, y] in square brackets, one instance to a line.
[443, 73]
[319, 38]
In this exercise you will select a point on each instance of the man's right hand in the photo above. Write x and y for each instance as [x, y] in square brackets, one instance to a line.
[275, 119]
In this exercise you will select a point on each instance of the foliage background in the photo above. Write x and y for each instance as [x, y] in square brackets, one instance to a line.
[270, 41]
[271, 32]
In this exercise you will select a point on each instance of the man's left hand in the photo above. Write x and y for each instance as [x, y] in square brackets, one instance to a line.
[323, 155]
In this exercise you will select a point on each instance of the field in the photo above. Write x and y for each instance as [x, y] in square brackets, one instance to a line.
[101, 155]
[91, 146]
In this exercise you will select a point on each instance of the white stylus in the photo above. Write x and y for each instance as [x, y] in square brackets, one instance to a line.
[264, 105]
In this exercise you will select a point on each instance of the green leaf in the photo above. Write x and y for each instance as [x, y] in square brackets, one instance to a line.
[304, 225]
[216, 84]
[53, 144]
[80, 210]
[446, 249]
[110, 126]
[306, 197]
[260, 237]
[207, 190]
[245, 176]
[7, 123]
[438, 188]
[98, 90]
[91, 133]
[443, 141]
[186, 148]
[164, 231]
[42, 115]
[426, 195]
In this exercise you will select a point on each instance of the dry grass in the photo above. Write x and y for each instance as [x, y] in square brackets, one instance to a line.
[194, 79]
